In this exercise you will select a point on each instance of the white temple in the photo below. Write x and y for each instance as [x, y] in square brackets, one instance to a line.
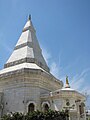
[26, 83]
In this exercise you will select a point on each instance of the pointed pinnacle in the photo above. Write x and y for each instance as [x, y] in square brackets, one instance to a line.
[29, 17]
[67, 83]
[67, 80]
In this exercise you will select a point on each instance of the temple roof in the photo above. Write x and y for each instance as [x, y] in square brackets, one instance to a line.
[27, 49]
[21, 66]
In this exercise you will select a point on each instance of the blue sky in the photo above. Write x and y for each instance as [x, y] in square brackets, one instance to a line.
[63, 31]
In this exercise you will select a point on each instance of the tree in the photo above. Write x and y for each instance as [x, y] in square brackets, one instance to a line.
[37, 115]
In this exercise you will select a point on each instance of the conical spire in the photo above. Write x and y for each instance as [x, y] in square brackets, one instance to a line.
[27, 49]
[67, 83]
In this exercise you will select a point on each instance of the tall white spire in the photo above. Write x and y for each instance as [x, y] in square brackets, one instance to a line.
[27, 49]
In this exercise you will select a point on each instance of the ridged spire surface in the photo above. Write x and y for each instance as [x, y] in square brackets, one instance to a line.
[27, 49]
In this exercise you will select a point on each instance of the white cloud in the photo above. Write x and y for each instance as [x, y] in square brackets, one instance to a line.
[54, 69]
[78, 80]
[47, 55]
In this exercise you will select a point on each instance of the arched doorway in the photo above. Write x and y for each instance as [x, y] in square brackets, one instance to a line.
[46, 107]
[81, 108]
[31, 107]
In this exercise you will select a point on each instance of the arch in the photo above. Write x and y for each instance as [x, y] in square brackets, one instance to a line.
[81, 108]
[31, 106]
[45, 106]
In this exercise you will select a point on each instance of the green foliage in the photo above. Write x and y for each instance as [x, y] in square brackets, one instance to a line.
[37, 115]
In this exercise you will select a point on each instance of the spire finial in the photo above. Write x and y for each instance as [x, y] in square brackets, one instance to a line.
[67, 83]
[29, 17]
[67, 79]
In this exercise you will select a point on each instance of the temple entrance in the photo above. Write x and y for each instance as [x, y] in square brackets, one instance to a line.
[81, 109]
[46, 107]
[31, 107]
